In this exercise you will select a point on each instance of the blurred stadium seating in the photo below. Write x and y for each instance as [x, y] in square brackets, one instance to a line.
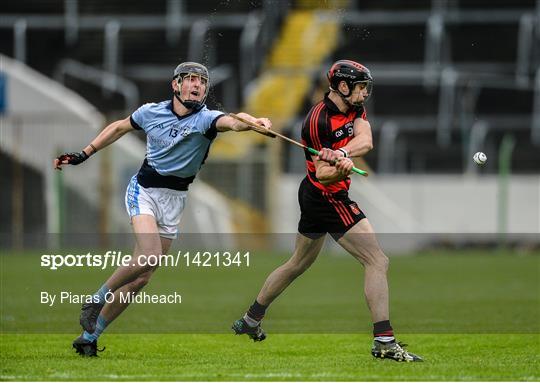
[451, 77]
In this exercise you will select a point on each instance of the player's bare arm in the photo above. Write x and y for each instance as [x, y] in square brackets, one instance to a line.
[227, 123]
[110, 134]
[362, 142]
[331, 167]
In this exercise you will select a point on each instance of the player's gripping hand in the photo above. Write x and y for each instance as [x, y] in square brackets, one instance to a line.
[70, 159]
[344, 166]
[262, 125]
[328, 155]
[265, 122]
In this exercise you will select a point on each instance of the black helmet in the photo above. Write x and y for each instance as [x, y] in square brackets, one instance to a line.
[351, 72]
[191, 69]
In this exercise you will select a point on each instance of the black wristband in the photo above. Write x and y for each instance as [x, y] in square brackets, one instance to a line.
[93, 148]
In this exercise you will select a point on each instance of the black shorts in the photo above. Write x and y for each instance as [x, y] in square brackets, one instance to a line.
[321, 213]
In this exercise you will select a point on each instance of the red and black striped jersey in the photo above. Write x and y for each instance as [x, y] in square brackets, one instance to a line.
[326, 126]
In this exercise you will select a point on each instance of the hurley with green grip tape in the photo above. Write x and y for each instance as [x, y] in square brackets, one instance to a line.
[354, 169]
[269, 132]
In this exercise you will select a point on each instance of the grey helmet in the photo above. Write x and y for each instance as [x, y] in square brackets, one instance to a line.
[191, 68]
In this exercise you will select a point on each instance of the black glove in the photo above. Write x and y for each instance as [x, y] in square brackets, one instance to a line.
[73, 158]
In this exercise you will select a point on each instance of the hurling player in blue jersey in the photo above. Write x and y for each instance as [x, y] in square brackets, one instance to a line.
[179, 133]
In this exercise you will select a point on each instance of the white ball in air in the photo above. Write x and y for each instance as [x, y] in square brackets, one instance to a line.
[480, 158]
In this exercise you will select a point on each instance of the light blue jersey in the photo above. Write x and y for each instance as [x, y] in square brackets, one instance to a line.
[176, 145]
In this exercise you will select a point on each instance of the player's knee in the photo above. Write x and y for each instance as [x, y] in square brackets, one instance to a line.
[141, 281]
[375, 259]
[382, 261]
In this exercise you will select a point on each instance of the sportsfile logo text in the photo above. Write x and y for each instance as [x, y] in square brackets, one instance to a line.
[113, 258]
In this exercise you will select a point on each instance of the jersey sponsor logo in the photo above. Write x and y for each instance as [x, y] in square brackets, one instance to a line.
[186, 131]
[354, 208]
[346, 130]
[159, 142]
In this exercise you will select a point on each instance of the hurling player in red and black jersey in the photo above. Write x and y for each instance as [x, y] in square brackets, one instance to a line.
[337, 127]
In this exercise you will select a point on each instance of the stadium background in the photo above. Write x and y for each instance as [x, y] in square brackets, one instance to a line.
[451, 78]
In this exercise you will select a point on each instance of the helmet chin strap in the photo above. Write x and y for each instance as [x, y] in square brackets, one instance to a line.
[189, 104]
[343, 96]
[347, 102]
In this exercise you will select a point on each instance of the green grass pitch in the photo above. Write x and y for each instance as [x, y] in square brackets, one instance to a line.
[473, 315]
[334, 357]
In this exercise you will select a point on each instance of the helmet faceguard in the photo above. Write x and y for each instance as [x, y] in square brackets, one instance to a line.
[188, 70]
[352, 73]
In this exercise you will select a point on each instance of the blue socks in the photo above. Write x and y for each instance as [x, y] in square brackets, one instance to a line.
[99, 296]
[101, 325]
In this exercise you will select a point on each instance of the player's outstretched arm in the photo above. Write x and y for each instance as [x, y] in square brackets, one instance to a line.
[226, 123]
[110, 134]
